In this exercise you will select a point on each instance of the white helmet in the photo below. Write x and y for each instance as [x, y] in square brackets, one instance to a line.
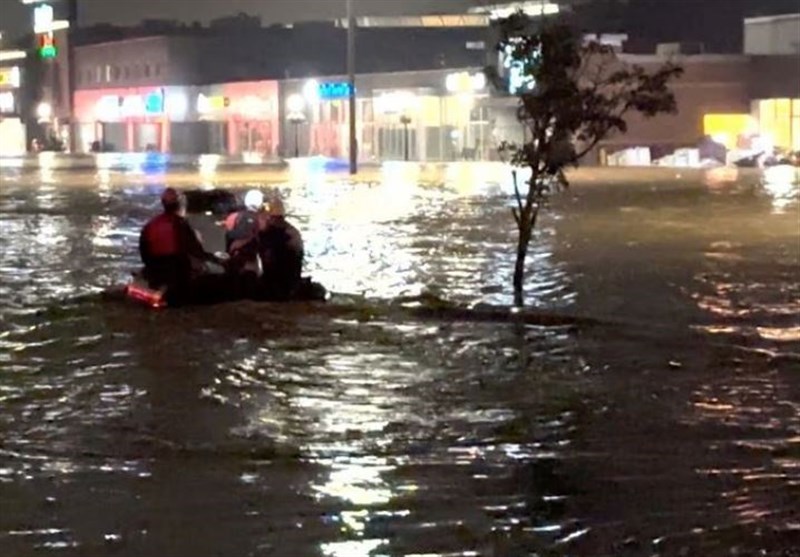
[253, 200]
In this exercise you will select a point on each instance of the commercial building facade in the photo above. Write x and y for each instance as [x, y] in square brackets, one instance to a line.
[426, 116]
[234, 118]
[12, 128]
[183, 94]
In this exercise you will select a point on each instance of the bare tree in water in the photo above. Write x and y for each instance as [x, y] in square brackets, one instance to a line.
[572, 95]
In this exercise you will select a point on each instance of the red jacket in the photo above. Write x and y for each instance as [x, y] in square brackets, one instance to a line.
[170, 235]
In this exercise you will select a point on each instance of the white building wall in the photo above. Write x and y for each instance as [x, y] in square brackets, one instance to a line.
[772, 35]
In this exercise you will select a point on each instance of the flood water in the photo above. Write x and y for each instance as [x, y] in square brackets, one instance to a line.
[665, 421]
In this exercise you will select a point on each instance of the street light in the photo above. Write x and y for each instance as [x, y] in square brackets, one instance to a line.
[44, 112]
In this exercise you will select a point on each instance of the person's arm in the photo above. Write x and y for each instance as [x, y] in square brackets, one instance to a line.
[193, 246]
[144, 250]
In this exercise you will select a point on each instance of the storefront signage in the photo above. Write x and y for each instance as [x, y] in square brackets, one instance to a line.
[154, 103]
[112, 107]
[7, 103]
[465, 82]
[251, 106]
[334, 90]
[396, 102]
[212, 103]
[9, 77]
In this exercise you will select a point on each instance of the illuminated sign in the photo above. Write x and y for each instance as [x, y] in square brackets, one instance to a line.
[395, 102]
[465, 82]
[251, 106]
[9, 77]
[334, 90]
[43, 18]
[211, 104]
[154, 103]
[7, 102]
[112, 107]
[176, 104]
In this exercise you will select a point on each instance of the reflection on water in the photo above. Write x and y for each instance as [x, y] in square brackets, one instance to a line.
[669, 427]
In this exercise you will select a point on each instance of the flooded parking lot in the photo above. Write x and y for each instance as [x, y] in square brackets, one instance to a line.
[662, 419]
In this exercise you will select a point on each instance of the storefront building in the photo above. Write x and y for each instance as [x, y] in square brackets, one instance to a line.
[241, 118]
[436, 115]
[230, 119]
[12, 128]
[130, 119]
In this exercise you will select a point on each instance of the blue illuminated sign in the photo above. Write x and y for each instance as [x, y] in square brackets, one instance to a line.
[334, 90]
[154, 103]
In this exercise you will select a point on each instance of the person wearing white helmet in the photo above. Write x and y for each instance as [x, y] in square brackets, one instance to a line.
[253, 200]
[241, 240]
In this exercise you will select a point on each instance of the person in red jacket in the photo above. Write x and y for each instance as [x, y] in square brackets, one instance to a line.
[170, 248]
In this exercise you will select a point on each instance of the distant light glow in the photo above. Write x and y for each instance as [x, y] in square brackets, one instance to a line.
[465, 82]
[395, 102]
[311, 91]
[721, 138]
[782, 183]
[44, 111]
[295, 103]
[727, 129]
[252, 157]
[10, 77]
[176, 105]
[214, 103]
[515, 70]
[154, 103]
[107, 108]
[208, 165]
[8, 55]
[530, 8]
[43, 18]
[252, 106]
[132, 105]
[334, 90]
[7, 102]
[48, 51]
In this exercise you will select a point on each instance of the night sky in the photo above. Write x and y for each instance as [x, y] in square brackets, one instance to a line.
[662, 19]
[128, 12]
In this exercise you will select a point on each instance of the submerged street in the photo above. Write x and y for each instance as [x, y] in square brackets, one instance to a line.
[663, 419]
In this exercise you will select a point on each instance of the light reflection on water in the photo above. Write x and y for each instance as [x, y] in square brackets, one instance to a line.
[244, 430]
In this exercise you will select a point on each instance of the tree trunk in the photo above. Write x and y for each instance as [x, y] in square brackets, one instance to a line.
[523, 241]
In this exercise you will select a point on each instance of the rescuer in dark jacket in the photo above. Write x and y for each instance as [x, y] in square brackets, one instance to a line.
[241, 243]
[172, 252]
[281, 253]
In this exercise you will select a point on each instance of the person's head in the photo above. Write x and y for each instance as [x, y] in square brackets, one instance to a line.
[253, 200]
[276, 207]
[172, 201]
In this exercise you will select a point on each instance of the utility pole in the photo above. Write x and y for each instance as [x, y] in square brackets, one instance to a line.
[72, 18]
[351, 71]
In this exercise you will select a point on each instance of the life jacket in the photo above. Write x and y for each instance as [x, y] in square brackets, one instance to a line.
[241, 241]
[162, 236]
[240, 228]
